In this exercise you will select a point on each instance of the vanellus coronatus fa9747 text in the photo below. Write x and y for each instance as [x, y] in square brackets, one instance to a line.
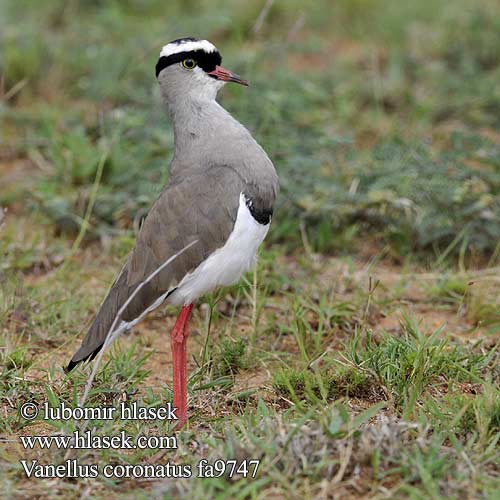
[212, 215]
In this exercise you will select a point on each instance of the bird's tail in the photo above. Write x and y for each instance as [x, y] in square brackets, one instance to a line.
[100, 328]
[132, 302]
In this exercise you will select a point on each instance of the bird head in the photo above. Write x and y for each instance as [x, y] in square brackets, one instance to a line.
[189, 66]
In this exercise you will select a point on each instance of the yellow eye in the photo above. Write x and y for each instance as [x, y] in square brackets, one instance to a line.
[189, 63]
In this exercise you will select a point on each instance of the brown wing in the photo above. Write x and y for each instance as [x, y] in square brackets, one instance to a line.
[201, 207]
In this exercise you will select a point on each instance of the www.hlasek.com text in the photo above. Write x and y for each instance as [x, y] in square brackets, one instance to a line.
[87, 440]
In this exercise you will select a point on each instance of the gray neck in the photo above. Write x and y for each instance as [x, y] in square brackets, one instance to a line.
[206, 135]
[200, 123]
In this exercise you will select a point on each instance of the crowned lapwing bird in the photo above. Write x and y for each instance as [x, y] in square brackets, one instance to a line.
[211, 216]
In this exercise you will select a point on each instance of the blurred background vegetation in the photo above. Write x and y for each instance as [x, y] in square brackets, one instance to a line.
[381, 116]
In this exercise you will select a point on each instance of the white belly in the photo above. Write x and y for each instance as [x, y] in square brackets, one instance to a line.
[226, 265]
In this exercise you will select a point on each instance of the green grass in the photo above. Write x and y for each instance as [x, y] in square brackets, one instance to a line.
[407, 365]
[361, 359]
[322, 384]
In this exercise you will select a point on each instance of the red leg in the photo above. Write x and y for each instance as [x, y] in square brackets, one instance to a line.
[178, 342]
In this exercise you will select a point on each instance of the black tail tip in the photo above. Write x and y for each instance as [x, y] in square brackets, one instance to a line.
[71, 365]
[88, 357]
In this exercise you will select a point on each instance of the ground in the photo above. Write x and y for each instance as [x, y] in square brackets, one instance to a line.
[360, 359]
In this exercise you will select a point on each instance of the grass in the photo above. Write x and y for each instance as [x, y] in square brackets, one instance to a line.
[322, 384]
[361, 359]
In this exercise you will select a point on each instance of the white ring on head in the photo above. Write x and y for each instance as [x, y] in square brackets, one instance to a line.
[187, 46]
